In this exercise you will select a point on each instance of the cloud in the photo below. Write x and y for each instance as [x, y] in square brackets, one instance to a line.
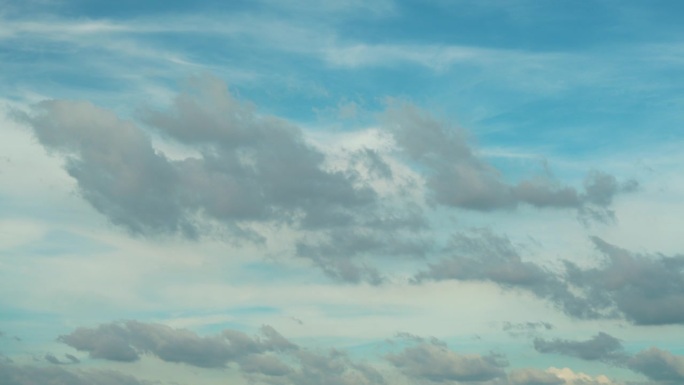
[437, 363]
[647, 289]
[260, 358]
[29, 375]
[248, 170]
[334, 368]
[394, 236]
[264, 364]
[251, 168]
[578, 378]
[251, 172]
[602, 347]
[528, 329]
[117, 170]
[484, 256]
[457, 176]
[659, 365]
[644, 289]
[127, 341]
[51, 358]
[533, 377]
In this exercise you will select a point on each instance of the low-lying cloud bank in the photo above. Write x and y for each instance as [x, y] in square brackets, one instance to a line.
[270, 358]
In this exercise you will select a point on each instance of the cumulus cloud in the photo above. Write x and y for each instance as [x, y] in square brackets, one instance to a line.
[484, 256]
[659, 365]
[127, 341]
[264, 358]
[601, 347]
[251, 168]
[456, 175]
[435, 362]
[271, 358]
[645, 289]
[118, 171]
[334, 368]
[533, 377]
[578, 378]
[250, 171]
[247, 170]
[334, 251]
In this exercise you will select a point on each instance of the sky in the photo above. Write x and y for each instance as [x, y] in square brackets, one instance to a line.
[297, 192]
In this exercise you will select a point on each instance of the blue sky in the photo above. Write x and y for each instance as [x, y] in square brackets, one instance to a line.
[299, 192]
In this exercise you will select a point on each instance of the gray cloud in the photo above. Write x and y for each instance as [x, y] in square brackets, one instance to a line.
[117, 170]
[248, 169]
[659, 365]
[647, 289]
[334, 368]
[268, 358]
[437, 363]
[267, 365]
[127, 341]
[528, 329]
[484, 256]
[251, 168]
[601, 188]
[533, 377]
[72, 358]
[344, 253]
[51, 358]
[334, 251]
[602, 347]
[31, 375]
[458, 176]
